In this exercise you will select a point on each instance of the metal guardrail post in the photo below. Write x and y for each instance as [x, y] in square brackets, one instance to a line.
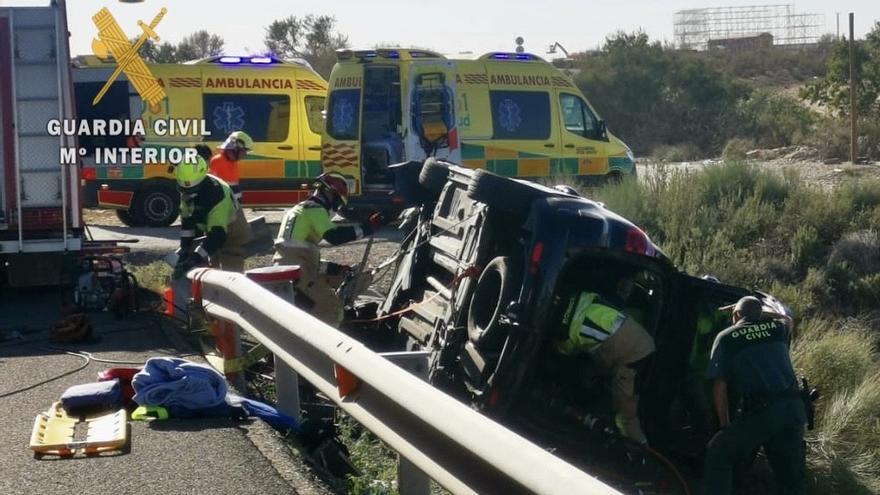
[410, 479]
[287, 389]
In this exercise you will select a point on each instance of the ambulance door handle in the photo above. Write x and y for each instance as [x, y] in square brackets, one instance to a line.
[549, 145]
[285, 147]
[569, 145]
[314, 148]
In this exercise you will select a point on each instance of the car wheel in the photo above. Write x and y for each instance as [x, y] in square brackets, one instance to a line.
[495, 289]
[502, 193]
[156, 205]
[126, 217]
[433, 175]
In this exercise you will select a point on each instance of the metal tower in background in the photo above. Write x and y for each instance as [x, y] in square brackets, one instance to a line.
[695, 27]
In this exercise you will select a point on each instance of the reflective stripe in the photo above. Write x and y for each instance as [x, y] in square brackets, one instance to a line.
[293, 243]
[202, 252]
[594, 333]
[187, 233]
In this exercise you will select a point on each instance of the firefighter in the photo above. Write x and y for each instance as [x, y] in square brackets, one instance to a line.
[208, 208]
[307, 224]
[225, 163]
[616, 341]
[750, 361]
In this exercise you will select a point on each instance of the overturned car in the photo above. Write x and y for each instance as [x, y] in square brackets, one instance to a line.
[482, 280]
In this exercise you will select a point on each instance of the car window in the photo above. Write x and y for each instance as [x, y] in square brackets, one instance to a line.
[577, 116]
[315, 113]
[520, 114]
[265, 117]
[343, 114]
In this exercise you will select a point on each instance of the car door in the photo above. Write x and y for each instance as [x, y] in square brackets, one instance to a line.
[583, 137]
[674, 379]
[430, 113]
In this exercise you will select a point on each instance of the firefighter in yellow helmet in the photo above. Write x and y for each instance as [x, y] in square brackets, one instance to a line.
[208, 209]
[307, 224]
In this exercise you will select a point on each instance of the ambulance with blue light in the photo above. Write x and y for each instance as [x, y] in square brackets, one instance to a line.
[278, 103]
[513, 114]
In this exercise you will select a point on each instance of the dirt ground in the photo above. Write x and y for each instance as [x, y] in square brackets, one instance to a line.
[154, 243]
[812, 172]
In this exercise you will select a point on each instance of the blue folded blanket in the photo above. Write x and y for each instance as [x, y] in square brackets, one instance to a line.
[189, 389]
[179, 385]
[267, 413]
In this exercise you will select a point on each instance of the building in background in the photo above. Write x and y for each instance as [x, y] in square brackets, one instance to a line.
[699, 29]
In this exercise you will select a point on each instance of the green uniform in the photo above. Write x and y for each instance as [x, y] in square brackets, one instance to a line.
[753, 358]
[303, 227]
[211, 210]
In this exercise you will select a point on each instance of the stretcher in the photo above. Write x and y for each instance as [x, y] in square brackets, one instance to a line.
[54, 433]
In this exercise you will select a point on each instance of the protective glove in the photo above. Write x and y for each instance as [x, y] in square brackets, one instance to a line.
[373, 223]
[187, 263]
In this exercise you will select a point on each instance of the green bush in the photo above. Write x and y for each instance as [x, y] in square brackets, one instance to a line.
[835, 356]
[676, 153]
[154, 276]
[844, 454]
[806, 247]
[831, 138]
[736, 149]
[774, 119]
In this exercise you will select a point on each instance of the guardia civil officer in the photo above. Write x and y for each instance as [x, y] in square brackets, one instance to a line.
[751, 368]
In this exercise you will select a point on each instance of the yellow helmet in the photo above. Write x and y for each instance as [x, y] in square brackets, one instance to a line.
[189, 175]
[238, 140]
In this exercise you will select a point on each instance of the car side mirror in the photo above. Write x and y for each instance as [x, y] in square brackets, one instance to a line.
[603, 130]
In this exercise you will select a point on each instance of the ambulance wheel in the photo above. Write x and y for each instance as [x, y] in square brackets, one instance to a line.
[433, 175]
[156, 205]
[495, 289]
[502, 193]
[128, 219]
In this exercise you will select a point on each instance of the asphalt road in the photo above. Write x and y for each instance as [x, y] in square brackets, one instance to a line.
[219, 456]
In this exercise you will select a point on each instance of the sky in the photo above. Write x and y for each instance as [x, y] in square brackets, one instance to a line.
[450, 27]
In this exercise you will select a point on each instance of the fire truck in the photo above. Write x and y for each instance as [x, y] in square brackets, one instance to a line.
[41, 227]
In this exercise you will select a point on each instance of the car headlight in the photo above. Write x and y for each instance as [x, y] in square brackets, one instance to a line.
[630, 155]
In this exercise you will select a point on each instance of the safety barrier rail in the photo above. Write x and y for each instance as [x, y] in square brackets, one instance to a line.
[462, 450]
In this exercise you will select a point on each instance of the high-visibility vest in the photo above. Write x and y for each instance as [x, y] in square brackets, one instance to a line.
[591, 321]
[225, 169]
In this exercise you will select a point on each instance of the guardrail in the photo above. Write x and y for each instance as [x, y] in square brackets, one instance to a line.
[462, 450]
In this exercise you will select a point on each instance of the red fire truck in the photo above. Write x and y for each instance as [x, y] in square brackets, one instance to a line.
[41, 224]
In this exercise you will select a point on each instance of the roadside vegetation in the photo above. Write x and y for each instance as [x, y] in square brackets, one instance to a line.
[817, 251]
[678, 105]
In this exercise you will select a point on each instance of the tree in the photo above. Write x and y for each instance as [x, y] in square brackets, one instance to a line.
[651, 95]
[199, 44]
[832, 90]
[311, 38]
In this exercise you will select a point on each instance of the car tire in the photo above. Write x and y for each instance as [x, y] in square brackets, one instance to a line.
[156, 205]
[502, 193]
[495, 289]
[433, 175]
[129, 220]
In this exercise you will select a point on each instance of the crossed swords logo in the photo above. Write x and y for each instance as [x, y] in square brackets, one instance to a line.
[112, 41]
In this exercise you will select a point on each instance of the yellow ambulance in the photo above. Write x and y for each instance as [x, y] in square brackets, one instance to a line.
[279, 103]
[510, 113]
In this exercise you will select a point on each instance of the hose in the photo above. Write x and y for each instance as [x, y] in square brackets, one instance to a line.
[671, 466]
[86, 361]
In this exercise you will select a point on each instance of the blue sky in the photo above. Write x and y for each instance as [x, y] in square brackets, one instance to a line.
[450, 26]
